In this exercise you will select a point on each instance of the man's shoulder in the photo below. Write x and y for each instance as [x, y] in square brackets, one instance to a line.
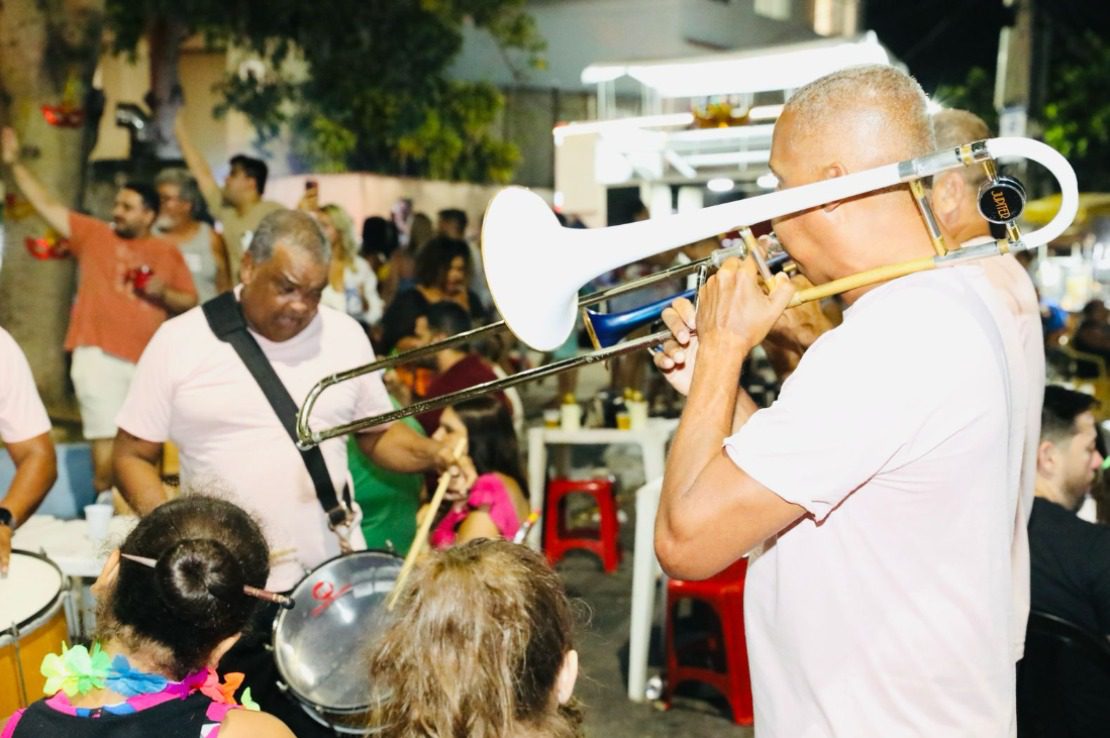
[186, 330]
[943, 304]
[1055, 523]
[263, 208]
[8, 342]
[83, 227]
[341, 330]
[162, 246]
[906, 333]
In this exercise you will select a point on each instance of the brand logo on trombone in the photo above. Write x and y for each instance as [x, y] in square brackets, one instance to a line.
[1002, 200]
[1000, 204]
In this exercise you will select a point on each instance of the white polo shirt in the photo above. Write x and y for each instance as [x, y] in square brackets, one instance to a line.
[193, 389]
[888, 610]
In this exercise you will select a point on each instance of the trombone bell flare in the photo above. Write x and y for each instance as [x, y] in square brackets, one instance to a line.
[519, 253]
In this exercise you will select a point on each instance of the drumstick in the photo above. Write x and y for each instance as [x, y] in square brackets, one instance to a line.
[422, 533]
[262, 594]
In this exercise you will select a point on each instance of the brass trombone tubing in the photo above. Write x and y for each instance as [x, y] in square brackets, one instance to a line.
[835, 287]
[306, 437]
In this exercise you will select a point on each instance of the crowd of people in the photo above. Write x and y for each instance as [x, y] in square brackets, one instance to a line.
[892, 502]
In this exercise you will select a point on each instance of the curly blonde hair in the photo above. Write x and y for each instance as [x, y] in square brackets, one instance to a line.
[475, 648]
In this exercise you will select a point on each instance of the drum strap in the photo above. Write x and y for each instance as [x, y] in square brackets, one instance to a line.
[225, 318]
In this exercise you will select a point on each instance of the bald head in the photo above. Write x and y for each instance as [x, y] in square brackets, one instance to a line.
[843, 123]
[865, 116]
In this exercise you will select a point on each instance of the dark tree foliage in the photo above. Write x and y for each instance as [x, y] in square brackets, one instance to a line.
[361, 83]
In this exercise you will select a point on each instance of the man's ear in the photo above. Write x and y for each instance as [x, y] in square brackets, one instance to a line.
[246, 268]
[948, 196]
[1046, 458]
[836, 169]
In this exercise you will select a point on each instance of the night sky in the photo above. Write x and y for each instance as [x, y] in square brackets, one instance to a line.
[940, 40]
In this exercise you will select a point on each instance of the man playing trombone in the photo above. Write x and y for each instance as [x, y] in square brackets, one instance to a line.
[878, 496]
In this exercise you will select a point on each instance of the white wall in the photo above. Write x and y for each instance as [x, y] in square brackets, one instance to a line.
[582, 32]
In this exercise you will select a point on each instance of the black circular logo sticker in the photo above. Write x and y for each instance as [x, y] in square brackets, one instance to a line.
[1002, 200]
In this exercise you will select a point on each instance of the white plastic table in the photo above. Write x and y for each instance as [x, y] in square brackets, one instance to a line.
[66, 544]
[652, 440]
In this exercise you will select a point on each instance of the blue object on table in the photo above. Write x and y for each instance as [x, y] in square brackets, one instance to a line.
[73, 488]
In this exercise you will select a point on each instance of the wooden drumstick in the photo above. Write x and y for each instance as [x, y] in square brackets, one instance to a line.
[422, 532]
[262, 594]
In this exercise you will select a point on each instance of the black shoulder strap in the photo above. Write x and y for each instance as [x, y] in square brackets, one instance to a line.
[225, 318]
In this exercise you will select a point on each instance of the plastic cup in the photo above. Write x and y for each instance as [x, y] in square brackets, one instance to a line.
[624, 421]
[98, 517]
[551, 418]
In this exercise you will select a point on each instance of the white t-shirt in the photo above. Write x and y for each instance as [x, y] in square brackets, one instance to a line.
[193, 389]
[359, 281]
[22, 415]
[888, 609]
[1013, 284]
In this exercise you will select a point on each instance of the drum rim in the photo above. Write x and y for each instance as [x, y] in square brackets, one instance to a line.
[319, 708]
[6, 629]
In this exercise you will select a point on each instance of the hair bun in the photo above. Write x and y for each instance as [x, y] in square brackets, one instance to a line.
[198, 574]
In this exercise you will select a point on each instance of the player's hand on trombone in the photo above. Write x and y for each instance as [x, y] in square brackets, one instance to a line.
[675, 358]
[734, 312]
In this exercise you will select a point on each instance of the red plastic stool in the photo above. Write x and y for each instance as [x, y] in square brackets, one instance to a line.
[724, 593]
[603, 541]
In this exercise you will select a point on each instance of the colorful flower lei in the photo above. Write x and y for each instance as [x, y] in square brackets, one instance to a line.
[79, 670]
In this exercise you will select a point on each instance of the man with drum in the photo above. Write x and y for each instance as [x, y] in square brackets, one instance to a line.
[193, 389]
[25, 430]
[880, 492]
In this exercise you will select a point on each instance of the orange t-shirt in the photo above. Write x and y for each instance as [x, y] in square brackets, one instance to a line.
[108, 312]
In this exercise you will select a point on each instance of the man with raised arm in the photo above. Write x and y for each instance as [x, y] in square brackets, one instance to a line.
[129, 283]
[238, 206]
[878, 496]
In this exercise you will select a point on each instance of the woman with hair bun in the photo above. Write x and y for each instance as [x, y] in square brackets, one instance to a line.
[480, 645]
[172, 600]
